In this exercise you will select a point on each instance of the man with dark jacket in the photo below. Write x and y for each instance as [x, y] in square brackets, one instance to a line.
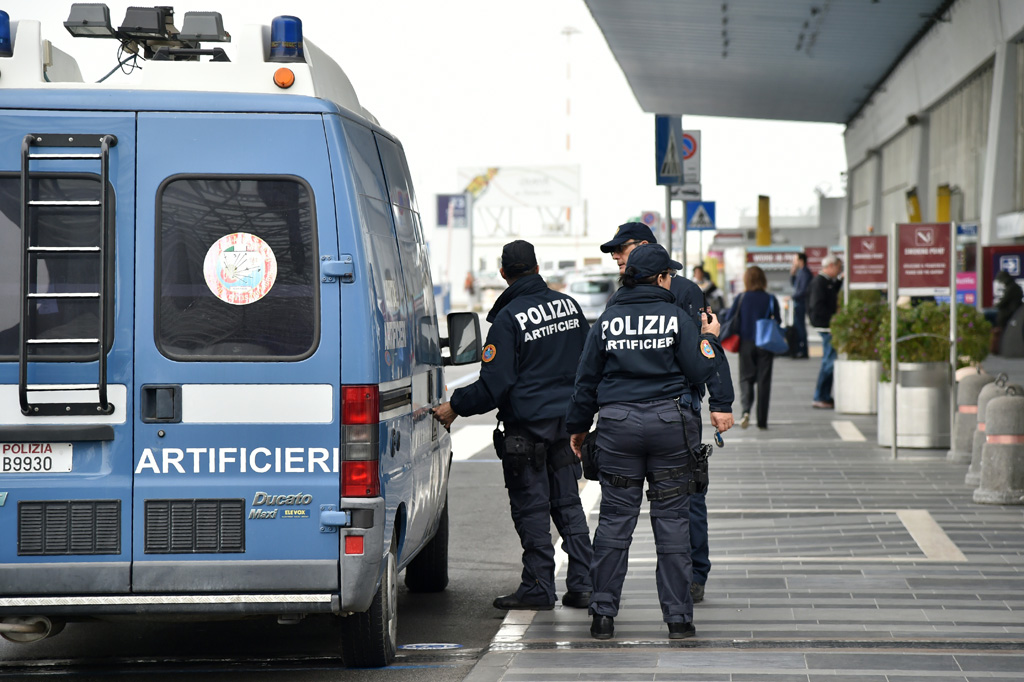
[824, 300]
[800, 277]
[528, 373]
[688, 296]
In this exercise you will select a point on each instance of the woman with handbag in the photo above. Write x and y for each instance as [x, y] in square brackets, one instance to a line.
[753, 305]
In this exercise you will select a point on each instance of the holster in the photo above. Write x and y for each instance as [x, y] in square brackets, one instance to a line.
[699, 467]
[589, 458]
[520, 451]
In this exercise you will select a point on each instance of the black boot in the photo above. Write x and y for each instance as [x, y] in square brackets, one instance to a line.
[680, 630]
[576, 600]
[603, 627]
[511, 602]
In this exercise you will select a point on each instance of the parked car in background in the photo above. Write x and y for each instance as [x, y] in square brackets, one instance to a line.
[592, 291]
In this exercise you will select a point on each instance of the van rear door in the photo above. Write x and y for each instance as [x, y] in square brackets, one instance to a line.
[238, 355]
[66, 460]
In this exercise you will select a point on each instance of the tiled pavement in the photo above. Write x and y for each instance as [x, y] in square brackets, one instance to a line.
[831, 562]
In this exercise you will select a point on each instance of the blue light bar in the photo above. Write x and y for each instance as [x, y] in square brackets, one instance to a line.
[6, 49]
[286, 40]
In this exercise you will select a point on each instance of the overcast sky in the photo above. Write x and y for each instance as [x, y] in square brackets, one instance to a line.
[479, 83]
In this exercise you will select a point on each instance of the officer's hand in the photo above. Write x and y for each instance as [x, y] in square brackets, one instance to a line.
[444, 414]
[576, 442]
[722, 421]
[709, 324]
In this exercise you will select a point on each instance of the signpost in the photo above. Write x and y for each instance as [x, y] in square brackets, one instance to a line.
[922, 262]
[700, 215]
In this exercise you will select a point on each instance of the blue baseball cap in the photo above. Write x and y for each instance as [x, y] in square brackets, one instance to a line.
[628, 232]
[650, 259]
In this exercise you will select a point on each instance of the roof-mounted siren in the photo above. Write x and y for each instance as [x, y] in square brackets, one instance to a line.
[286, 40]
[5, 35]
[89, 20]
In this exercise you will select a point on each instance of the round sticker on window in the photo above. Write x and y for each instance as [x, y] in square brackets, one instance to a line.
[240, 268]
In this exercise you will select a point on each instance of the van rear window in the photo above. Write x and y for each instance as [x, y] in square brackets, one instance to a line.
[235, 269]
[591, 286]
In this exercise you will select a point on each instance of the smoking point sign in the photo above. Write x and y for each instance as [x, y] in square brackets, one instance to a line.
[924, 258]
[869, 262]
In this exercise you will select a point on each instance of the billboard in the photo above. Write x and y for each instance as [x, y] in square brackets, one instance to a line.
[522, 186]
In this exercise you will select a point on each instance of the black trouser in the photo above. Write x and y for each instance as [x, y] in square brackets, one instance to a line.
[538, 496]
[635, 440]
[755, 367]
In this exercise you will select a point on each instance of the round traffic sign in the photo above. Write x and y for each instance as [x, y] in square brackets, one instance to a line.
[689, 146]
[649, 218]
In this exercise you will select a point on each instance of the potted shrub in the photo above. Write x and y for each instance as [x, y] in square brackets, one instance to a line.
[923, 392]
[855, 337]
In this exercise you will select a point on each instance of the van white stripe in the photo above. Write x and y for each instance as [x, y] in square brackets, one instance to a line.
[257, 403]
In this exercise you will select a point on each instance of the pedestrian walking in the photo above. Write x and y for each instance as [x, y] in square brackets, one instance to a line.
[689, 297]
[529, 361]
[640, 356]
[823, 302]
[800, 277]
[755, 364]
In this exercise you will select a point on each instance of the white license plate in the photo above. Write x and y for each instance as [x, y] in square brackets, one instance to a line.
[35, 458]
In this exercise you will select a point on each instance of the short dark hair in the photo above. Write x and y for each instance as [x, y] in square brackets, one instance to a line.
[803, 257]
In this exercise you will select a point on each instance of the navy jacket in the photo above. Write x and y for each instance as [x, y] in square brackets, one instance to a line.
[753, 305]
[530, 358]
[690, 298]
[801, 282]
[642, 348]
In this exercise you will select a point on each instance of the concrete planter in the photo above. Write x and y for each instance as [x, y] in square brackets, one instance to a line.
[922, 399]
[855, 387]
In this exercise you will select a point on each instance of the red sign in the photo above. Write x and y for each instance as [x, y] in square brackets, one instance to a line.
[771, 260]
[815, 254]
[869, 258]
[924, 259]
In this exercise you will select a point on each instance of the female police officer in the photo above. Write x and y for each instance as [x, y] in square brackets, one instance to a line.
[635, 362]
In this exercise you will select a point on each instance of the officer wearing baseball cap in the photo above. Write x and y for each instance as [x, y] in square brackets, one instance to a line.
[690, 298]
[529, 363]
[640, 357]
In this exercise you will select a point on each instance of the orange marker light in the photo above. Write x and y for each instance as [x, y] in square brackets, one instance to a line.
[284, 78]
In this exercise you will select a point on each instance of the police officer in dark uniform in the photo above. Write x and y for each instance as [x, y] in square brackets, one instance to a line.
[641, 355]
[690, 298]
[529, 364]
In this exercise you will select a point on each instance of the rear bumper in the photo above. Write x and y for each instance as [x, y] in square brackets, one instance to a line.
[170, 604]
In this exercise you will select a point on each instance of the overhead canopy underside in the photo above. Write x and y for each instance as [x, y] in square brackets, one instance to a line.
[797, 60]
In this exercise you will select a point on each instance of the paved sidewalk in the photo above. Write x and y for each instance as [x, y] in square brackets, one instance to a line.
[831, 562]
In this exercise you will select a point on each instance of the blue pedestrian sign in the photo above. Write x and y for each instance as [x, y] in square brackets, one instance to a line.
[700, 215]
[668, 149]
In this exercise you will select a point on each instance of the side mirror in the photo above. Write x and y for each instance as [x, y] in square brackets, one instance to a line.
[463, 339]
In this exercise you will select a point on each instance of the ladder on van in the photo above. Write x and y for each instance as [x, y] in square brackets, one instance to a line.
[32, 249]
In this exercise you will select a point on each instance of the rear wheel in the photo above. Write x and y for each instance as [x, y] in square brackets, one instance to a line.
[428, 571]
[370, 639]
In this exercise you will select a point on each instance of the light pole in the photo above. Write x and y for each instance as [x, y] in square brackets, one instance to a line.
[568, 32]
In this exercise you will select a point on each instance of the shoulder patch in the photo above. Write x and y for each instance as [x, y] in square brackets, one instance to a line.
[490, 351]
[706, 349]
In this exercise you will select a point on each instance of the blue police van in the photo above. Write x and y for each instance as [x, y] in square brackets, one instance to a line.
[218, 341]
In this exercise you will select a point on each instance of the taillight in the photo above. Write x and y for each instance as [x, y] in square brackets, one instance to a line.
[360, 479]
[360, 404]
[360, 424]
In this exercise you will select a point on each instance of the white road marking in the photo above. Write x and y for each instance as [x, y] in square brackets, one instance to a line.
[847, 430]
[929, 536]
[470, 439]
[462, 381]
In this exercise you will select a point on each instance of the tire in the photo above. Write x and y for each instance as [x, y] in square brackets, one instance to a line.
[370, 639]
[428, 571]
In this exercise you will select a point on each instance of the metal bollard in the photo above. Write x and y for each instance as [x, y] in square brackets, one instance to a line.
[965, 421]
[996, 389]
[1002, 459]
